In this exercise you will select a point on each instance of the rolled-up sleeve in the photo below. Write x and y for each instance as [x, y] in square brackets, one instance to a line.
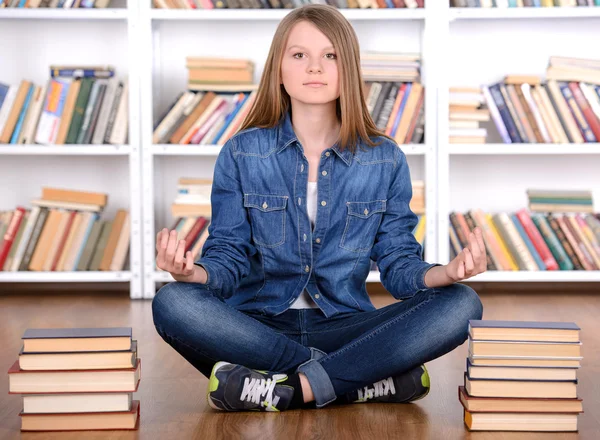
[226, 253]
[399, 256]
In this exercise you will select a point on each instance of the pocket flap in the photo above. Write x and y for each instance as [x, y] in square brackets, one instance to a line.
[265, 203]
[366, 209]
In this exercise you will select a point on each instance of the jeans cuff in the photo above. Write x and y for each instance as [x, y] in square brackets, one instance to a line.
[318, 378]
[316, 354]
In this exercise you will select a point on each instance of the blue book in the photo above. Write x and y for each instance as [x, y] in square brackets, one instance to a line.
[82, 73]
[230, 117]
[505, 114]
[528, 242]
[3, 91]
[19, 125]
[584, 127]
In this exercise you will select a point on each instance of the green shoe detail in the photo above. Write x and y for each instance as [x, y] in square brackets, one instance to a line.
[425, 378]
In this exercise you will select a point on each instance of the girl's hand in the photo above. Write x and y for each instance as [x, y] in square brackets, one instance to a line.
[471, 260]
[171, 256]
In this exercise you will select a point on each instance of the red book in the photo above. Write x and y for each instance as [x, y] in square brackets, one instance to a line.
[11, 232]
[190, 238]
[537, 240]
[587, 111]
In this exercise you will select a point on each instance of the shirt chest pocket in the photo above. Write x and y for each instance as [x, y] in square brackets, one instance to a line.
[267, 218]
[362, 222]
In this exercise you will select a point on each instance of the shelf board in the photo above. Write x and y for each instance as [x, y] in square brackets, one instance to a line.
[522, 149]
[538, 276]
[165, 277]
[65, 277]
[64, 14]
[519, 13]
[278, 14]
[213, 150]
[56, 150]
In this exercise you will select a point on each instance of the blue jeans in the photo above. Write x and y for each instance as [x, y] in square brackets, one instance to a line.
[337, 355]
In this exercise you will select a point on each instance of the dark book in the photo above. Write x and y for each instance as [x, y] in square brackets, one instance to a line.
[79, 111]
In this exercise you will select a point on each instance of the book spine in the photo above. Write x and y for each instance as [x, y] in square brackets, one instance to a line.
[537, 240]
[497, 118]
[9, 236]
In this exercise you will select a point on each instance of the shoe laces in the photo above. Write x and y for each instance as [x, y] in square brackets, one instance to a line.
[256, 389]
[379, 389]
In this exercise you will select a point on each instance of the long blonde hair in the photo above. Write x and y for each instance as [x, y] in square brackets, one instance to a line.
[272, 101]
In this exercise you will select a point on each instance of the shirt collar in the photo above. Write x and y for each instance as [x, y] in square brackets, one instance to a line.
[286, 137]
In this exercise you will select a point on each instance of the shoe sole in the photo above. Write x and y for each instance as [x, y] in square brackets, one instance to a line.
[213, 384]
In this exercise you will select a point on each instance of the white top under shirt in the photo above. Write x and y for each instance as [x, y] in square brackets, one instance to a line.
[304, 301]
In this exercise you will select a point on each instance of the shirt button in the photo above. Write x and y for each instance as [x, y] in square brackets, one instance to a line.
[304, 237]
[264, 205]
[318, 240]
[317, 296]
[301, 168]
[323, 203]
[324, 173]
[299, 201]
[306, 269]
[327, 154]
[366, 211]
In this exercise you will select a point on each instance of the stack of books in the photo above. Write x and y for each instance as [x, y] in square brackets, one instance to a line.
[522, 3]
[283, 4]
[549, 200]
[208, 73]
[522, 376]
[466, 111]
[63, 231]
[77, 379]
[65, 4]
[78, 105]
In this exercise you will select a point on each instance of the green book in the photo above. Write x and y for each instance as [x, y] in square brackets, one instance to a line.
[79, 111]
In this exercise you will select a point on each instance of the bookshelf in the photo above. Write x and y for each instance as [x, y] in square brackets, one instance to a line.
[175, 34]
[79, 36]
[494, 176]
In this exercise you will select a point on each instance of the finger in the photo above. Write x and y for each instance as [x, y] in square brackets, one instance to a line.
[469, 264]
[171, 247]
[460, 272]
[159, 239]
[189, 262]
[179, 262]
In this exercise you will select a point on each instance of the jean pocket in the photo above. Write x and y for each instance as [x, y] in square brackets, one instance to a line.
[267, 218]
[362, 221]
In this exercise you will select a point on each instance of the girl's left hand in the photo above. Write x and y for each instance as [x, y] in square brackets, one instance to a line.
[471, 260]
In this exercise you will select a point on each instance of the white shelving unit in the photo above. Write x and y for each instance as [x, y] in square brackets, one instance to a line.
[481, 46]
[175, 34]
[82, 36]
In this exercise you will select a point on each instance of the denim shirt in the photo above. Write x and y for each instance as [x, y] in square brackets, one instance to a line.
[262, 252]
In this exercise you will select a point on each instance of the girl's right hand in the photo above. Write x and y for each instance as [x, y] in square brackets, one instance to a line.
[170, 256]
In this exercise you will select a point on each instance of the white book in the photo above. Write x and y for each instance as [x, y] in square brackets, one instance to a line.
[591, 97]
[76, 402]
[107, 102]
[9, 100]
[159, 135]
[119, 133]
[33, 118]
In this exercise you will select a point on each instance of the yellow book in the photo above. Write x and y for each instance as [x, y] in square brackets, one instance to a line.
[420, 231]
[507, 254]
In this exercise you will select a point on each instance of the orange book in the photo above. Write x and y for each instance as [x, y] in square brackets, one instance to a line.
[72, 196]
[67, 115]
[113, 239]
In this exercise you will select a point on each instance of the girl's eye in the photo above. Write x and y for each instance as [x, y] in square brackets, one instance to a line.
[331, 56]
[296, 55]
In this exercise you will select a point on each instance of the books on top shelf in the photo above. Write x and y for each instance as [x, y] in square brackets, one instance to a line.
[65, 4]
[578, 201]
[466, 111]
[77, 379]
[78, 105]
[521, 3]
[563, 108]
[64, 231]
[282, 4]
[531, 241]
[521, 376]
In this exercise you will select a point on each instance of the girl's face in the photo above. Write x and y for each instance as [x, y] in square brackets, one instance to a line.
[309, 68]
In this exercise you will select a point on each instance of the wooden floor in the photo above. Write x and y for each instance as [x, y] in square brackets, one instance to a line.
[173, 394]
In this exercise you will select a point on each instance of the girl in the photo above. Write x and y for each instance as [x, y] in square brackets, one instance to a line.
[276, 311]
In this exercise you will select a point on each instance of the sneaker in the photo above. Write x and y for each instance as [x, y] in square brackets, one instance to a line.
[408, 387]
[237, 388]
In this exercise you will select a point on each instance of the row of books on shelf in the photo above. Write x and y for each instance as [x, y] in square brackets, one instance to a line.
[565, 108]
[522, 3]
[65, 4]
[522, 376]
[284, 4]
[531, 241]
[78, 105]
[64, 230]
[73, 379]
